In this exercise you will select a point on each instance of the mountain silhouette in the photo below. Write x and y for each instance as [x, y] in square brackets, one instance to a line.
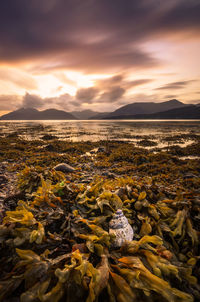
[34, 114]
[187, 112]
[145, 108]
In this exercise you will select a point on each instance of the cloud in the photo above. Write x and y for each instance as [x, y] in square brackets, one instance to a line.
[114, 88]
[86, 95]
[111, 95]
[18, 78]
[175, 85]
[64, 79]
[170, 96]
[136, 83]
[9, 102]
[32, 101]
[121, 80]
[90, 35]
[64, 102]
[110, 90]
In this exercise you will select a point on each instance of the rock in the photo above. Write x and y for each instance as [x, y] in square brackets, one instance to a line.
[120, 227]
[64, 168]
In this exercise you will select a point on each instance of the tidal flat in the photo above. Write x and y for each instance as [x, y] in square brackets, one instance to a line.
[55, 243]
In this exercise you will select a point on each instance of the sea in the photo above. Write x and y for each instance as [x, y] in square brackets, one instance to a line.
[160, 133]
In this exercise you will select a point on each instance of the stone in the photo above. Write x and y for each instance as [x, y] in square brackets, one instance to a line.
[64, 168]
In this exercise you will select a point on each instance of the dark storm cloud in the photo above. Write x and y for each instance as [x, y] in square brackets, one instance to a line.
[175, 85]
[90, 35]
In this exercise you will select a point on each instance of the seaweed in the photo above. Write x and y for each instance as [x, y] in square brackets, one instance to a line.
[55, 243]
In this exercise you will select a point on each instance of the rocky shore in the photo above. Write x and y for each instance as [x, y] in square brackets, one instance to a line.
[56, 204]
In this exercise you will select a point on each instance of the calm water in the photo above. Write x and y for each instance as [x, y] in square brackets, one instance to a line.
[161, 132]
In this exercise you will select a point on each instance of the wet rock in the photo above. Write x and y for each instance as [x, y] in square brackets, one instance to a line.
[64, 168]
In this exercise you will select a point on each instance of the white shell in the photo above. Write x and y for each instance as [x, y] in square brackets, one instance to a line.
[120, 227]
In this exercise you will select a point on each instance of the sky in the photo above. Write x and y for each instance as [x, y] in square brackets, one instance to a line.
[98, 54]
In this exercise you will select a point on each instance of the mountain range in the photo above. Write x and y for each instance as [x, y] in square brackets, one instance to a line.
[172, 109]
[187, 112]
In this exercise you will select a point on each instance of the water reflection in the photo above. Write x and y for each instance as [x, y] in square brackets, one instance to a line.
[158, 132]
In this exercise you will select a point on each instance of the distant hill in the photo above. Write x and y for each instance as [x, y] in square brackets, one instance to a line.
[34, 114]
[145, 108]
[84, 114]
[187, 112]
